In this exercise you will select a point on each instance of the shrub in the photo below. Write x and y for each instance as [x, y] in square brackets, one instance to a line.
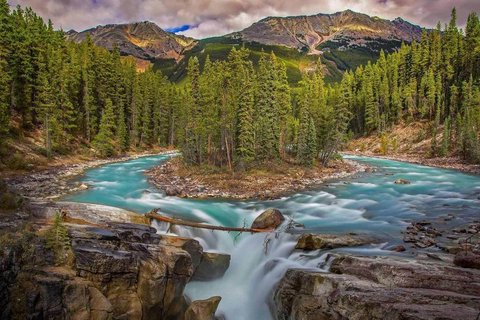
[384, 144]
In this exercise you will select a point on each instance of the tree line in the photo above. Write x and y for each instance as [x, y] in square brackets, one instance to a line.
[238, 114]
[435, 80]
[230, 113]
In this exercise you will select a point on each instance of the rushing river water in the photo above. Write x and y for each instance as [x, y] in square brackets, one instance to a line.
[367, 203]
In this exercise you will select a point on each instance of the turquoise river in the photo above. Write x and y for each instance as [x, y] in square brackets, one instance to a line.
[365, 203]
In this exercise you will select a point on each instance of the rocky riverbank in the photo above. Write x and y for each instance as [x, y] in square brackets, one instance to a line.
[57, 181]
[176, 179]
[431, 276]
[379, 288]
[116, 267]
[454, 163]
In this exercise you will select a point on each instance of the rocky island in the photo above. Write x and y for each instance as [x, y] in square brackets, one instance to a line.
[177, 179]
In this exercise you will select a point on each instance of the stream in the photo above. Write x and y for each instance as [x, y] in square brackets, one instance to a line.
[367, 203]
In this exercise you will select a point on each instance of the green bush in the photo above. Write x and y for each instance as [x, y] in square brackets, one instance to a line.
[384, 144]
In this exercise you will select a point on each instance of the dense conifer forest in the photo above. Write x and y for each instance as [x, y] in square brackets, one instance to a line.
[233, 113]
[435, 81]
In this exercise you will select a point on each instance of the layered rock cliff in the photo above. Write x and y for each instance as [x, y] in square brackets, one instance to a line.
[117, 269]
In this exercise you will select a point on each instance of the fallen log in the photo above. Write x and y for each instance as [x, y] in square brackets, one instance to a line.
[156, 216]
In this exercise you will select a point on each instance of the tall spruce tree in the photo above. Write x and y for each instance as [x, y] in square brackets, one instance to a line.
[104, 140]
[307, 139]
[5, 45]
[267, 129]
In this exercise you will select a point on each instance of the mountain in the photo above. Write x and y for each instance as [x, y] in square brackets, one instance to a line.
[342, 30]
[343, 40]
[143, 40]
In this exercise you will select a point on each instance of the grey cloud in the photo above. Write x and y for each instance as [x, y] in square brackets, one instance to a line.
[217, 17]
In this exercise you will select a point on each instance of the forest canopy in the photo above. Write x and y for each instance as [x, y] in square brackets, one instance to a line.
[233, 113]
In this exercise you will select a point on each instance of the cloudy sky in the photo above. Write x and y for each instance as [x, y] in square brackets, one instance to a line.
[204, 18]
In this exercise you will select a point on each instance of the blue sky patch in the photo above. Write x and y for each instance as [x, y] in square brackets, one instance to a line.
[184, 27]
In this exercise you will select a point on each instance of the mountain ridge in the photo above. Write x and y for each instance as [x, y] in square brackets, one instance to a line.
[343, 40]
[144, 40]
[307, 32]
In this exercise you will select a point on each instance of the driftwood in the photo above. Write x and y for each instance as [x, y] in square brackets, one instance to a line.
[156, 216]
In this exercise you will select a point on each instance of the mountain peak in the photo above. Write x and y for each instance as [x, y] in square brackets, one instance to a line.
[143, 39]
[347, 28]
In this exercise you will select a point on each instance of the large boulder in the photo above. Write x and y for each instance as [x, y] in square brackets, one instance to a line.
[212, 266]
[467, 260]
[269, 219]
[402, 181]
[192, 246]
[310, 241]
[203, 309]
[372, 288]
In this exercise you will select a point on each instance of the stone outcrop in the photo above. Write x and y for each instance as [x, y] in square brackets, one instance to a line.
[203, 309]
[269, 219]
[212, 266]
[118, 270]
[379, 288]
[310, 241]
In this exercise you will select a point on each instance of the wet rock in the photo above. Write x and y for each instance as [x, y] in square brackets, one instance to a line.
[269, 219]
[83, 186]
[212, 266]
[310, 241]
[467, 260]
[402, 181]
[433, 256]
[191, 246]
[371, 288]
[203, 309]
[172, 191]
[449, 247]
[421, 234]
[398, 248]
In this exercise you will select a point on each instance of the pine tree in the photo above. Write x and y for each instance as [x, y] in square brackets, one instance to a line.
[46, 106]
[267, 129]
[122, 132]
[58, 239]
[242, 71]
[282, 103]
[307, 136]
[445, 138]
[104, 140]
[371, 108]
[192, 144]
[5, 44]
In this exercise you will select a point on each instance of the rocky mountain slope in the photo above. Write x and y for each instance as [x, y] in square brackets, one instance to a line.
[144, 40]
[344, 29]
[343, 40]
